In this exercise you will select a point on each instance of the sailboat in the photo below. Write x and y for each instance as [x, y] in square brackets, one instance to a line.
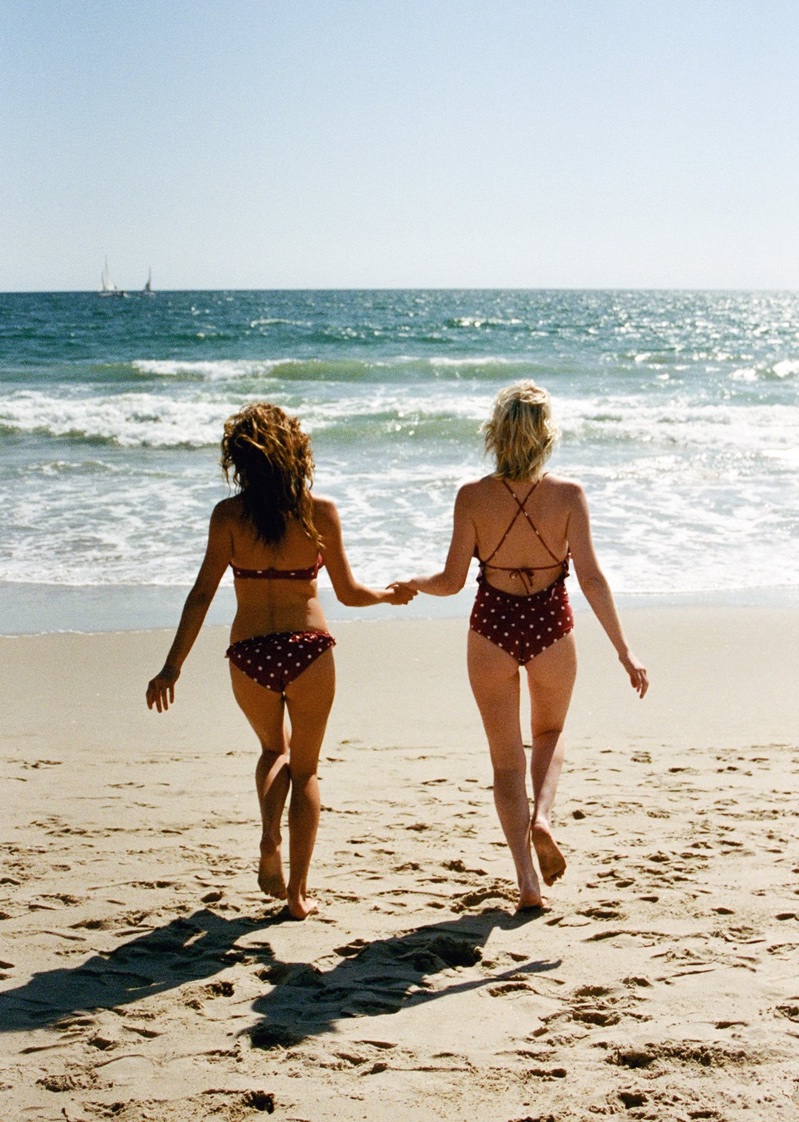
[148, 288]
[107, 286]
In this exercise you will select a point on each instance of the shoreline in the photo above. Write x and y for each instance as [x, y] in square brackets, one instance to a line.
[35, 609]
[716, 671]
[144, 975]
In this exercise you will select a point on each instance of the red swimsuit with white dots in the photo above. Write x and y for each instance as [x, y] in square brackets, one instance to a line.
[522, 626]
[276, 659]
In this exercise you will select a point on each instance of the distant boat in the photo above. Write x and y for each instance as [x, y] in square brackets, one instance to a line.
[107, 286]
[148, 288]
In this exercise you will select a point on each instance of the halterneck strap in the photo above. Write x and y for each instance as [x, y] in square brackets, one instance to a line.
[521, 505]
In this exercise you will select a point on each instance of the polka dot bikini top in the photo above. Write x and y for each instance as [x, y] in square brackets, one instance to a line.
[279, 574]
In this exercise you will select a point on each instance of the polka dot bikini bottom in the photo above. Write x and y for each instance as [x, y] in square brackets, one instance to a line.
[523, 626]
[277, 659]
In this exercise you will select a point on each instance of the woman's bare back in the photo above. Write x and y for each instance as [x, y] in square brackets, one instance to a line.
[273, 605]
[506, 516]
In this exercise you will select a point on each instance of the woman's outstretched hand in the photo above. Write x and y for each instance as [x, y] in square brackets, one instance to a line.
[161, 689]
[636, 672]
[401, 593]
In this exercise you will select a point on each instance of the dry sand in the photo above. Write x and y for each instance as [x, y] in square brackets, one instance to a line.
[145, 978]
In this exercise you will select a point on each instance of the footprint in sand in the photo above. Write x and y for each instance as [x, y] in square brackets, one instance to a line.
[631, 1099]
[637, 982]
[219, 989]
[511, 986]
[702, 1055]
[62, 897]
[259, 1100]
[95, 924]
[73, 1081]
[480, 895]
[457, 866]
[102, 1043]
[605, 910]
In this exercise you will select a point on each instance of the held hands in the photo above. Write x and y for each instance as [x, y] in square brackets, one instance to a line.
[161, 689]
[400, 592]
[636, 672]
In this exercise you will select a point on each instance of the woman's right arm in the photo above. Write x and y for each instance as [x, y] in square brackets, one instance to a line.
[161, 688]
[452, 577]
[348, 590]
[596, 588]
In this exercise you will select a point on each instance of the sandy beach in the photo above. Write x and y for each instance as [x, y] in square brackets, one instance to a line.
[144, 977]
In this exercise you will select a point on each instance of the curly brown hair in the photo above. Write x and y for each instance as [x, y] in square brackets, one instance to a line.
[270, 461]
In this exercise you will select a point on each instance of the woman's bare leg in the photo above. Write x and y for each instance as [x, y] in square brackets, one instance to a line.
[550, 677]
[288, 765]
[272, 785]
[494, 678]
[309, 699]
[265, 710]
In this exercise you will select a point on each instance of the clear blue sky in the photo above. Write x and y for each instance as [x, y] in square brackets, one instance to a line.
[383, 143]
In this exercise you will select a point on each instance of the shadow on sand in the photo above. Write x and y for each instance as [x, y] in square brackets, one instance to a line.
[384, 976]
[370, 978]
[185, 950]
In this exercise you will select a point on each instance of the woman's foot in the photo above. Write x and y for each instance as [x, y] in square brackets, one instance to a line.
[300, 906]
[270, 872]
[550, 859]
[530, 899]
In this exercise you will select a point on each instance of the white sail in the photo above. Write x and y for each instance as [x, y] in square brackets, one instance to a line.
[107, 286]
[148, 288]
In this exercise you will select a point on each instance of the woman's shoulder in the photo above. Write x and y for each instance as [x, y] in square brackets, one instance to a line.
[228, 510]
[476, 489]
[490, 485]
[565, 488]
[323, 510]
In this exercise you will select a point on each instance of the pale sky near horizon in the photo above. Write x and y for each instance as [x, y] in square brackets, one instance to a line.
[399, 143]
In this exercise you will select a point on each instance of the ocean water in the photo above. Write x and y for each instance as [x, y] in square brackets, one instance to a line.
[679, 413]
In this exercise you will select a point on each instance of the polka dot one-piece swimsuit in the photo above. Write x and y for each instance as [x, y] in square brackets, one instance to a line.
[522, 626]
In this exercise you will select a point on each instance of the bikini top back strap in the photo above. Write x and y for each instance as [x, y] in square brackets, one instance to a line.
[529, 520]
[512, 522]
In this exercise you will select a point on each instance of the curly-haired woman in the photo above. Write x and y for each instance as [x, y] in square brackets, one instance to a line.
[523, 524]
[275, 535]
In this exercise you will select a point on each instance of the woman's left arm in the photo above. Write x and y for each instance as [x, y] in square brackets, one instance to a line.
[452, 577]
[218, 552]
[348, 590]
[596, 589]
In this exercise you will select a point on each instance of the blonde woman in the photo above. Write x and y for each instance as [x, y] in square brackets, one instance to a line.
[523, 525]
[275, 535]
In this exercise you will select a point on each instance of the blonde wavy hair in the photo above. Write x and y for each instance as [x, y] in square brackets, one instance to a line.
[269, 459]
[521, 433]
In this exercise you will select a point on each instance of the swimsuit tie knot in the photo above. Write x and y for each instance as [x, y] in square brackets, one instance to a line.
[525, 576]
